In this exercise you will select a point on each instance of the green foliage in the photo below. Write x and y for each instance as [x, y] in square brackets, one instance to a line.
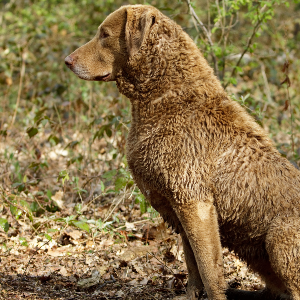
[63, 175]
[23, 241]
[32, 131]
[69, 135]
[82, 225]
[48, 237]
[141, 200]
[4, 224]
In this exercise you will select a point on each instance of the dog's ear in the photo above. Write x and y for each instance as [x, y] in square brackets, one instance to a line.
[138, 24]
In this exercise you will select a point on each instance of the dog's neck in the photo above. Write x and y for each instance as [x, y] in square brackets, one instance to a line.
[157, 75]
[158, 66]
[141, 83]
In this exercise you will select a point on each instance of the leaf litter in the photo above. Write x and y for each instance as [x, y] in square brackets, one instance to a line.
[147, 263]
[92, 244]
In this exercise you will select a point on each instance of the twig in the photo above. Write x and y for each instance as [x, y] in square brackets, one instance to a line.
[151, 253]
[18, 206]
[88, 202]
[256, 27]
[107, 282]
[126, 127]
[207, 34]
[288, 101]
[267, 87]
[138, 222]
[287, 80]
[118, 202]
[90, 179]
[292, 117]
[22, 73]
[222, 25]
[225, 44]
[59, 119]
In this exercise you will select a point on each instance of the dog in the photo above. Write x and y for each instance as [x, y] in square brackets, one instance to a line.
[203, 163]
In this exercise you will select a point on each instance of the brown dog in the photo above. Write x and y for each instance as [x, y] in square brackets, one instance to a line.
[200, 159]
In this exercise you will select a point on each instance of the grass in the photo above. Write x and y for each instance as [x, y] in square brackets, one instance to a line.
[62, 140]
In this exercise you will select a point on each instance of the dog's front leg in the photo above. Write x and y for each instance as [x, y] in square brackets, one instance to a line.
[199, 220]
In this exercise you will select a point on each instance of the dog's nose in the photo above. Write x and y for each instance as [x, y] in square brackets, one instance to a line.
[69, 61]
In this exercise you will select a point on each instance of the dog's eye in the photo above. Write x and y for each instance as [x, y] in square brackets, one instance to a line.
[104, 35]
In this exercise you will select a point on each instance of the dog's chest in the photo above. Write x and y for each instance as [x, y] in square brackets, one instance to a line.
[167, 161]
[138, 153]
[140, 163]
[147, 158]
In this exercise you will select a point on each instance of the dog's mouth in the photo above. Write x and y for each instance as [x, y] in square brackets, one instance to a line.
[103, 78]
[82, 73]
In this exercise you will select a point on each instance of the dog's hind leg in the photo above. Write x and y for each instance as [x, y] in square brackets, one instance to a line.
[283, 247]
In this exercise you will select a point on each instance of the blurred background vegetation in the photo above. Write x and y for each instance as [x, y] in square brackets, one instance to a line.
[62, 139]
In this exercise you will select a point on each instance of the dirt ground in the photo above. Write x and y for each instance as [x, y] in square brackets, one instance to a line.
[147, 264]
[98, 246]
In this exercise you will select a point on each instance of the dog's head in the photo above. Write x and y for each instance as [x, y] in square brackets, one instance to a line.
[118, 38]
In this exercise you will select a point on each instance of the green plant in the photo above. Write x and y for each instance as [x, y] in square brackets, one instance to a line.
[61, 134]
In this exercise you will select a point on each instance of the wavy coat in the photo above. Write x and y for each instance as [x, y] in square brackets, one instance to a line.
[203, 163]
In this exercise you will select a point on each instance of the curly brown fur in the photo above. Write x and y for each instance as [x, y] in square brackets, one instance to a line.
[200, 159]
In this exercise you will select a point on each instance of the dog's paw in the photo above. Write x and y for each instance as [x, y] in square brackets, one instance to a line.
[194, 293]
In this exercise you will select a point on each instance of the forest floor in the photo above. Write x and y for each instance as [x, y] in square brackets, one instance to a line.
[73, 225]
[142, 259]
[95, 246]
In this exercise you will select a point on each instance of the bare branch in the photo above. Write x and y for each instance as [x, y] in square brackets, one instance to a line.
[22, 74]
[207, 34]
[255, 29]
[267, 87]
[222, 22]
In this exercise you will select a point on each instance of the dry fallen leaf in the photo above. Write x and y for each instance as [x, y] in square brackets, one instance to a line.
[74, 234]
[91, 281]
[134, 252]
[119, 294]
[58, 199]
[105, 243]
[90, 244]
[103, 269]
[133, 282]
[63, 271]
[144, 281]
[130, 226]
[56, 252]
